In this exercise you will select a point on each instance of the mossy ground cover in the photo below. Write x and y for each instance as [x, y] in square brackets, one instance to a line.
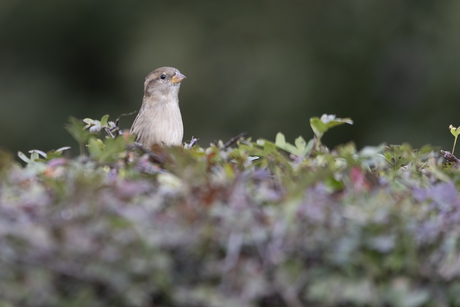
[242, 223]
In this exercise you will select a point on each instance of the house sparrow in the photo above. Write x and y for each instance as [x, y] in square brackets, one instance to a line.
[159, 120]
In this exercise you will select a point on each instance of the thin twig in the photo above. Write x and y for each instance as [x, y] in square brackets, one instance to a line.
[234, 139]
[193, 142]
[124, 114]
[109, 133]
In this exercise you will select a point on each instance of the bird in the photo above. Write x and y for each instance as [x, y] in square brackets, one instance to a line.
[159, 120]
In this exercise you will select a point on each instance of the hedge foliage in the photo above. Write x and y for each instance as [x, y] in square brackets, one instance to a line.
[249, 224]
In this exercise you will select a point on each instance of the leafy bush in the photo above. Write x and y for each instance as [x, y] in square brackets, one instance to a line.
[259, 224]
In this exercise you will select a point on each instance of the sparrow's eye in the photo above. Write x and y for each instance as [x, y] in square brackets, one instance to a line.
[163, 76]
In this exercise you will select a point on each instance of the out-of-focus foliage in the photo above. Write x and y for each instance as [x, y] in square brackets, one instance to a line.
[257, 224]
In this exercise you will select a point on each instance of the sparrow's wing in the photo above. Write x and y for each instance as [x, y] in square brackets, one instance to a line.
[133, 127]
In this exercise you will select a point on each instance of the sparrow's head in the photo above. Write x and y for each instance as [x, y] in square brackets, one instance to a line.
[163, 81]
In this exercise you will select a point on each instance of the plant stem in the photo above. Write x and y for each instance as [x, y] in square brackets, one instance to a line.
[453, 148]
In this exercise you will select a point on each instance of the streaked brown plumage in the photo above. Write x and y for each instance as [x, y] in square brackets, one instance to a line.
[159, 120]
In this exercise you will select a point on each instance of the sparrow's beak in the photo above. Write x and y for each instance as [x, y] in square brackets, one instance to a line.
[178, 77]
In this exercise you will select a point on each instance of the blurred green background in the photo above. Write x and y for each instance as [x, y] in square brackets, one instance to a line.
[255, 66]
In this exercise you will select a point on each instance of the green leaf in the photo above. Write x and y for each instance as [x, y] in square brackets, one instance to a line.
[318, 127]
[303, 147]
[94, 148]
[292, 149]
[300, 143]
[107, 151]
[269, 147]
[309, 147]
[300, 149]
[104, 120]
[455, 131]
[100, 143]
[326, 122]
[281, 143]
[280, 140]
[76, 128]
[331, 121]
